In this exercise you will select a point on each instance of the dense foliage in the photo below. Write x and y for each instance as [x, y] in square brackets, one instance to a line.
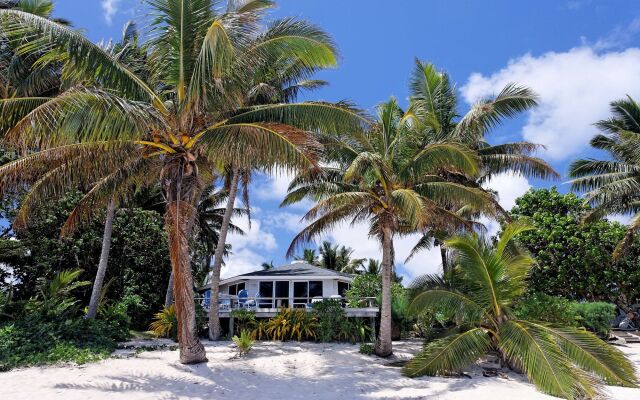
[594, 316]
[50, 327]
[137, 265]
[574, 259]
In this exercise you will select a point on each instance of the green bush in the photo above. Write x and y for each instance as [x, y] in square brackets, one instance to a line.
[366, 348]
[289, 324]
[331, 320]
[243, 319]
[542, 307]
[596, 316]
[33, 342]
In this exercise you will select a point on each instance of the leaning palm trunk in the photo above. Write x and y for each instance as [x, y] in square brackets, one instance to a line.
[214, 319]
[384, 345]
[181, 189]
[168, 298]
[104, 261]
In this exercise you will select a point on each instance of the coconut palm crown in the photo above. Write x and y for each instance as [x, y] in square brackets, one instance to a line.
[478, 294]
[178, 123]
[613, 186]
[389, 179]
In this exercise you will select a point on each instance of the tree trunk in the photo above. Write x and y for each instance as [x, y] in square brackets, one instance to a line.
[104, 261]
[384, 344]
[443, 255]
[168, 298]
[181, 186]
[214, 319]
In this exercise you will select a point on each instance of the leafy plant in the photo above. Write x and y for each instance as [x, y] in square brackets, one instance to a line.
[244, 342]
[292, 324]
[165, 323]
[331, 319]
[243, 319]
[574, 259]
[366, 348]
[479, 293]
[545, 308]
[260, 330]
[596, 316]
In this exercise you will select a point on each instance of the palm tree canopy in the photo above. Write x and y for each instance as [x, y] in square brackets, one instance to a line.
[186, 95]
[387, 176]
[613, 186]
[478, 295]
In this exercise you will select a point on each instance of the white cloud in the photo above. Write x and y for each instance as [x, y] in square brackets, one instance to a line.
[110, 8]
[509, 187]
[575, 89]
[357, 238]
[619, 37]
[249, 250]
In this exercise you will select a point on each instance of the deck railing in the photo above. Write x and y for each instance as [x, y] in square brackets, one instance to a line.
[230, 302]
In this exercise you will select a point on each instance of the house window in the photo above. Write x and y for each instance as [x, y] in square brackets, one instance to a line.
[342, 288]
[235, 289]
[266, 294]
[282, 294]
[303, 292]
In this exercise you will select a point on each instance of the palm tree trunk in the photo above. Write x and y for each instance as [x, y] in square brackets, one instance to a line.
[104, 261]
[214, 319]
[181, 187]
[168, 298]
[384, 344]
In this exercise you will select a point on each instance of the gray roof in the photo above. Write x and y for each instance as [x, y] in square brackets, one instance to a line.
[298, 268]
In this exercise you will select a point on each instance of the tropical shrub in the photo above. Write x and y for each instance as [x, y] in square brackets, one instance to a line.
[260, 329]
[545, 308]
[480, 292]
[292, 324]
[244, 342]
[165, 323]
[331, 320]
[50, 327]
[596, 316]
[243, 319]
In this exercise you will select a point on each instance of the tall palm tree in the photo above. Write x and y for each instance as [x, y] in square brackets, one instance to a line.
[113, 128]
[386, 178]
[433, 110]
[339, 258]
[278, 80]
[478, 295]
[613, 186]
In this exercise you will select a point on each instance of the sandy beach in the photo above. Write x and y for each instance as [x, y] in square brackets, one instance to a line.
[271, 371]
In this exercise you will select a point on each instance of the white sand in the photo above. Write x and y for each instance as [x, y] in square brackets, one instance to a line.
[271, 371]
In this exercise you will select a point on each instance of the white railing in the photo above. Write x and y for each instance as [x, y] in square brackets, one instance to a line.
[230, 302]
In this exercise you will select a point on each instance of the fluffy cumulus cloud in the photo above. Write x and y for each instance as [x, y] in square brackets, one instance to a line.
[109, 8]
[249, 250]
[575, 88]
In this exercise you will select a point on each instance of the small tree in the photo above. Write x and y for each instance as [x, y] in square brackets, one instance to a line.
[478, 295]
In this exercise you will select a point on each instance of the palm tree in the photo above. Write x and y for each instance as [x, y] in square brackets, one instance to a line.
[433, 111]
[279, 80]
[386, 178]
[478, 295]
[267, 266]
[309, 256]
[338, 258]
[612, 186]
[113, 128]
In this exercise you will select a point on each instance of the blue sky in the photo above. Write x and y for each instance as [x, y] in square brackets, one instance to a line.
[577, 54]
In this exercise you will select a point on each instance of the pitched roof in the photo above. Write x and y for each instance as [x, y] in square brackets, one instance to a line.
[297, 268]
